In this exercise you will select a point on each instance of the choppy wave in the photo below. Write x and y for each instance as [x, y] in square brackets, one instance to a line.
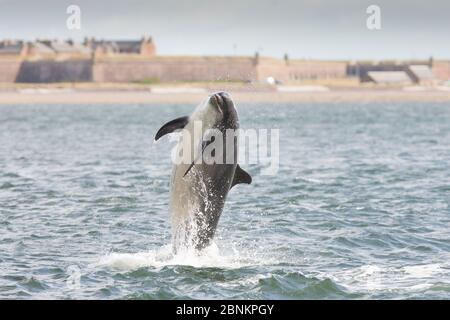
[411, 278]
[359, 208]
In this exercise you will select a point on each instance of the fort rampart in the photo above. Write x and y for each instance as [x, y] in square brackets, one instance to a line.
[136, 61]
[171, 69]
[54, 71]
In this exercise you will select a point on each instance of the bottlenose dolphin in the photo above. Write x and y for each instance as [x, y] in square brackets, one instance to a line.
[199, 188]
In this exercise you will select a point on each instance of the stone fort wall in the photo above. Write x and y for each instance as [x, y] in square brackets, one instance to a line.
[441, 69]
[247, 69]
[9, 69]
[55, 71]
[130, 68]
[315, 69]
[169, 69]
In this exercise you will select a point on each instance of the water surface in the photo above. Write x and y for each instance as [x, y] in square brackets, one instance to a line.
[358, 209]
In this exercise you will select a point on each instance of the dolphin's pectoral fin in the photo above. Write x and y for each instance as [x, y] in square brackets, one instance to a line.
[241, 176]
[171, 126]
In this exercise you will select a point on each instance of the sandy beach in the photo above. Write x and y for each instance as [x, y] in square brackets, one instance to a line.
[129, 94]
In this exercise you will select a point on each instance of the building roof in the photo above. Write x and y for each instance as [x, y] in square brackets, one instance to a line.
[62, 47]
[389, 76]
[128, 46]
[10, 47]
[422, 72]
[119, 46]
[81, 48]
[69, 47]
[40, 47]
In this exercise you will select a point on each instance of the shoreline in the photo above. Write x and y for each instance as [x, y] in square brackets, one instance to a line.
[175, 95]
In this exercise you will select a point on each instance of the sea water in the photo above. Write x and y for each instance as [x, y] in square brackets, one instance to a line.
[359, 208]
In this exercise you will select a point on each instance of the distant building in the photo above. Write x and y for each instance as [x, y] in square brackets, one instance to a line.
[136, 60]
[11, 47]
[418, 72]
[389, 77]
[144, 47]
[38, 51]
[421, 74]
[55, 50]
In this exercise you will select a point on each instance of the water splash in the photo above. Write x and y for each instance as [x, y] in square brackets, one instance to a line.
[210, 257]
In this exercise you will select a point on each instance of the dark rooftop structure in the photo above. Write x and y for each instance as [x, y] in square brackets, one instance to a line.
[11, 47]
[119, 46]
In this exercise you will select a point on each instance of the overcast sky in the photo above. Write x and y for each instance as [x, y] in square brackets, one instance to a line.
[302, 28]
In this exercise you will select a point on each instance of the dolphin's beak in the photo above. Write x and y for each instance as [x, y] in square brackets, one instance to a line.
[220, 100]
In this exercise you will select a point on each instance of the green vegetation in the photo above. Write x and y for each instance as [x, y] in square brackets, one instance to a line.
[148, 81]
[231, 81]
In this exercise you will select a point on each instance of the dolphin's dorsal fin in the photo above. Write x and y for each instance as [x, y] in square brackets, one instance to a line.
[240, 176]
[171, 126]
